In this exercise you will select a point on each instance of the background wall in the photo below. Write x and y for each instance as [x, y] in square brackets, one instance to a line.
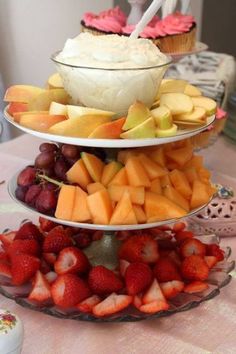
[31, 30]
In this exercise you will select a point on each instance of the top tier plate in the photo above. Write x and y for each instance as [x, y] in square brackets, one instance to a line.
[112, 143]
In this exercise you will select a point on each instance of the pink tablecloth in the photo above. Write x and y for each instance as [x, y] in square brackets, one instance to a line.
[210, 328]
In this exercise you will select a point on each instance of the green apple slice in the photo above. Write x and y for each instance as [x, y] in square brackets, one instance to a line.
[192, 91]
[164, 133]
[57, 108]
[78, 111]
[205, 102]
[162, 116]
[198, 115]
[178, 103]
[141, 131]
[137, 114]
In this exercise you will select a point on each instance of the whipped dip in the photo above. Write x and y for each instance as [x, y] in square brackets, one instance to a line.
[110, 72]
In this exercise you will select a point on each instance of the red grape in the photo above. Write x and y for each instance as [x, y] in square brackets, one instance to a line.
[45, 159]
[46, 202]
[21, 192]
[26, 177]
[32, 194]
[70, 151]
[48, 147]
[60, 169]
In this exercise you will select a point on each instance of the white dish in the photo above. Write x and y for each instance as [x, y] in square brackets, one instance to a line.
[12, 184]
[199, 47]
[112, 143]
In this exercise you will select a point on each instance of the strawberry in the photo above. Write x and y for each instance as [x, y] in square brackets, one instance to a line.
[166, 269]
[68, 290]
[153, 293]
[71, 260]
[4, 257]
[41, 289]
[51, 277]
[138, 277]
[103, 281]
[44, 266]
[192, 246]
[210, 261]
[179, 226]
[171, 288]
[56, 240]
[123, 266]
[182, 235]
[23, 268]
[139, 248]
[154, 307]
[5, 269]
[195, 287]
[24, 246]
[137, 301]
[29, 231]
[97, 235]
[112, 304]
[50, 258]
[45, 224]
[82, 239]
[7, 238]
[167, 244]
[88, 304]
[194, 268]
[216, 251]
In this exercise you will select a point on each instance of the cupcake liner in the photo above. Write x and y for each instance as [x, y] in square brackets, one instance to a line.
[183, 42]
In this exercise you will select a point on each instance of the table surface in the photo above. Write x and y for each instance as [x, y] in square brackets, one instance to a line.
[210, 328]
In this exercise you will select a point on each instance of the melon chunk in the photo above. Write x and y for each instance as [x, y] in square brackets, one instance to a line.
[200, 194]
[136, 193]
[81, 211]
[78, 173]
[157, 207]
[152, 168]
[139, 213]
[109, 171]
[120, 178]
[172, 194]
[137, 176]
[191, 174]
[100, 207]
[156, 186]
[94, 187]
[181, 184]
[158, 156]
[196, 162]
[65, 202]
[204, 175]
[165, 181]
[94, 166]
[123, 213]
[123, 155]
[180, 156]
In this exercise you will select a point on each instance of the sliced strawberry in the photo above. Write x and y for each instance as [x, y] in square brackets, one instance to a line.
[4, 257]
[112, 304]
[179, 226]
[23, 268]
[68, 290]
[182, 235]
[51, 277]
[166, 269]
[5, 269]
[7, 238]
[50, 258]
[192, 246]
[103, 281]
[137, 301]
[154, 306]
[216, 251]
[30, 247]
[71, 260]
[154, 293]
[138, 277]
[45, 224]
[175, 258]
[88, 304]
[44, 266]
[41, 289]
[123, 235]
[29, 231]
[172, 288]
[82, 239]
[139, 248]
[210, 261]
[165, 244]
[56, 240]
[123, 266]
[194, 268]
[195, 287]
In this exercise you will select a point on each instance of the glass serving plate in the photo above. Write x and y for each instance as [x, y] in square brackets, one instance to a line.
[113, 143]
[199, 47]
[218, 278]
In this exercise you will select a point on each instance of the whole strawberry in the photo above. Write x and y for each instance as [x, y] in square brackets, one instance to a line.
[139, 248]
[23, 267]
[29, 231]
[71, 260]
[103, 281]
[165, 270]
[194, 268]
[138, 277]
[56, 240]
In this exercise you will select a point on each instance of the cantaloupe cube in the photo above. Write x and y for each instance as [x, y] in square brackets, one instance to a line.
[191, 174]
[81, 211]
[200, 194]
[136, 193]
[156, 186]
[137, 176]
[204, 175]
[123, 155]
[93, 165]
[123, 213]
[94, 187]
[180, 156]
[120, 178]
[157, 207]
[100, 207]
[139, 213]
[152, 168]
[158, 156]
[172, 194]
[196, 161]
[109, 171]
[181, 184]
[79, 174]
[165, 181]
[65, 202]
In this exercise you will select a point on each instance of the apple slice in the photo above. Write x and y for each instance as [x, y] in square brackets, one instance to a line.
[40, 122]
[42, 101]
[17, 116]
[172, 85]
[137, 114]
[164, 133]
[22, 93]
[205, 102]
[178, 103]
[198, 115]
[55, 81]
[192, 91]
[78, 111]
[162, 116]
[110, 130]
[57, 108]
[141, 131]
[15, 107]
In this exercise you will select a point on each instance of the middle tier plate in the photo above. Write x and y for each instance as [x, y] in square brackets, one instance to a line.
[113, 143]
[12, 184]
